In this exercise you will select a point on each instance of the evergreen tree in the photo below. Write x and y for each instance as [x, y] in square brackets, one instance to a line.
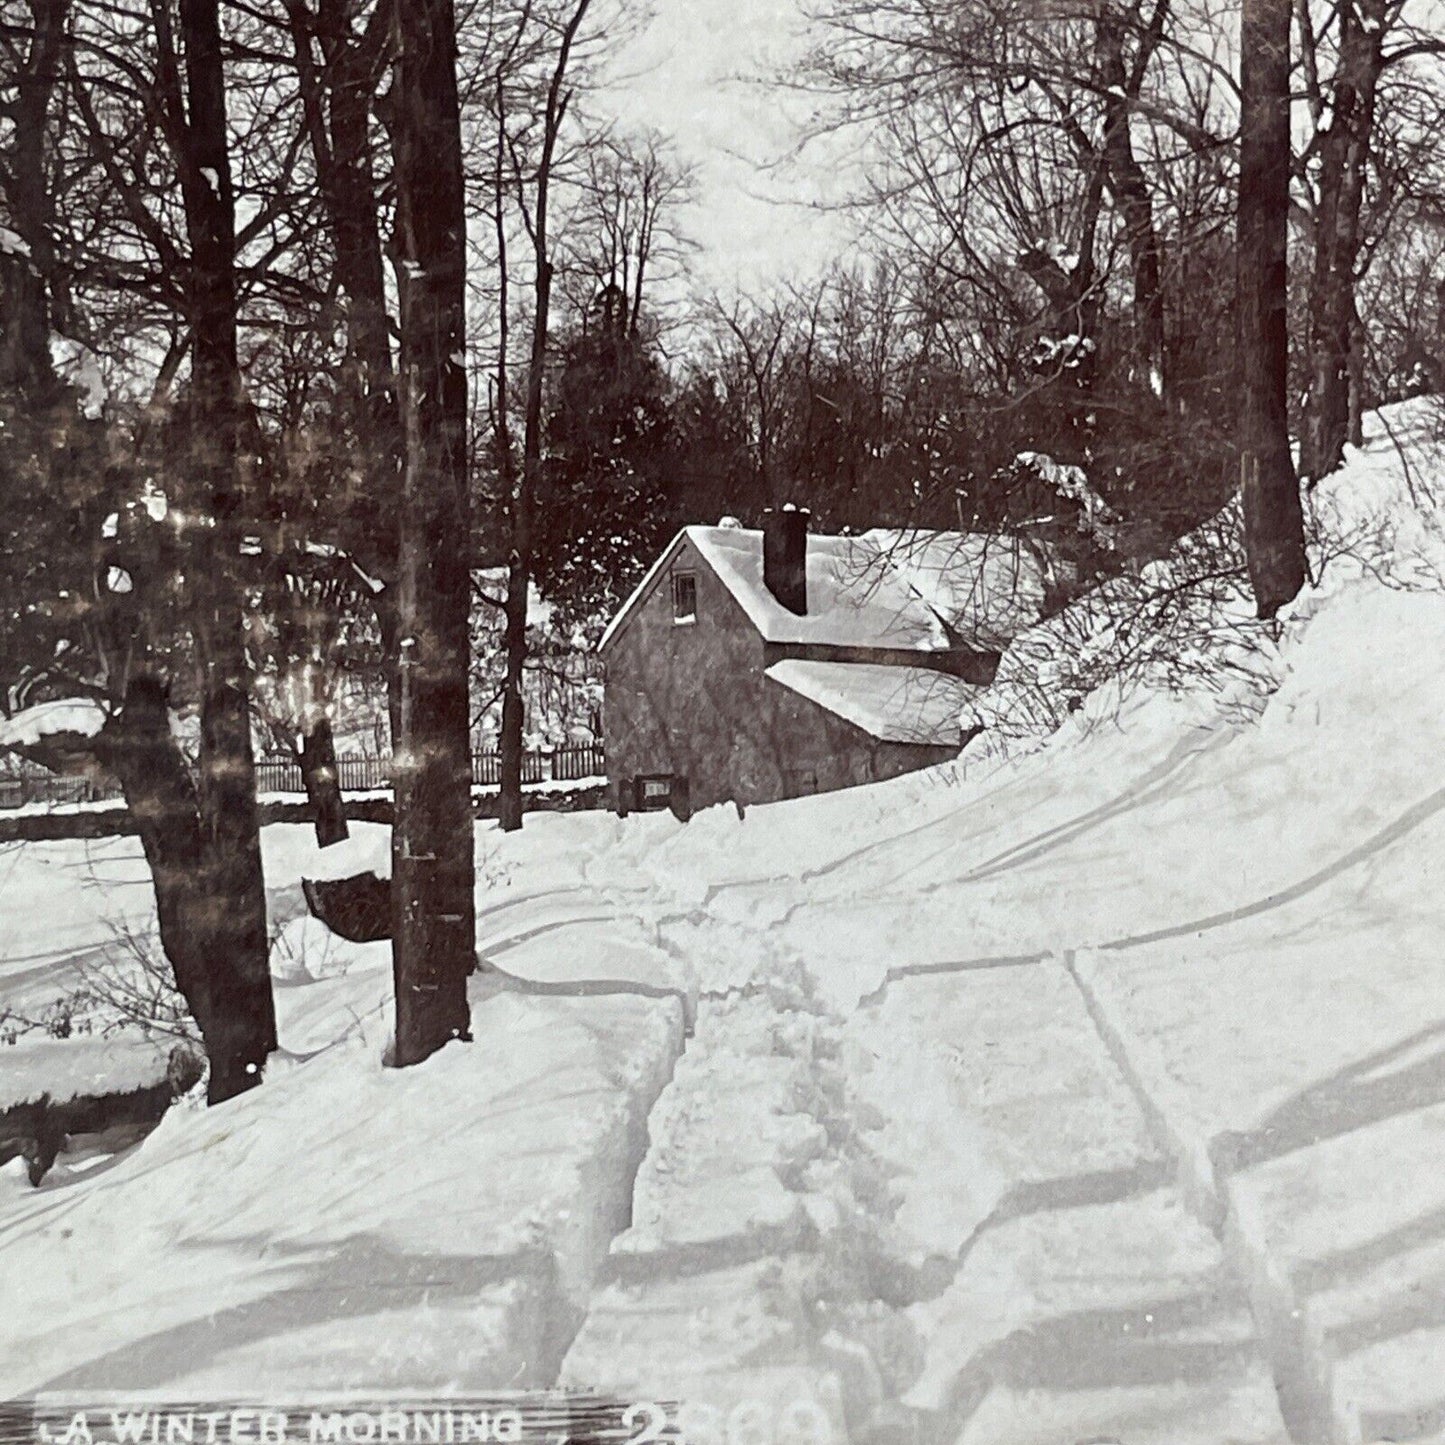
[607, 508]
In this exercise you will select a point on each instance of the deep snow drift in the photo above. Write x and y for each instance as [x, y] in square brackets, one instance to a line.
[1096, 1094]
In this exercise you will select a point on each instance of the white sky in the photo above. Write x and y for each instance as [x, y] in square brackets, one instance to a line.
[695, 73]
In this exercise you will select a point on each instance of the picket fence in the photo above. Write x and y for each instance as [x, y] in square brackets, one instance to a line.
[357, 775]
[283, 775]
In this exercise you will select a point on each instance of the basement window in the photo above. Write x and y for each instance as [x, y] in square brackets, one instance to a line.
[684, 597]
[652, 792]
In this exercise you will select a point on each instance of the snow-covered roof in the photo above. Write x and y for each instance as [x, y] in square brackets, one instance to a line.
[883, 589]
[989, 588]
[853, 599]
[893, 704]
[81, 715]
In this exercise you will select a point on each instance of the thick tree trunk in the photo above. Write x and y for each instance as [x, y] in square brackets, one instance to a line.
[1344, 156]
[1273, 520]
[137, 747]
[244, 1023]
[433, 925]
[1073, 299]
[1130, 189]
[189, 878]
[1132, 196]
[202, 844]
[348, 185]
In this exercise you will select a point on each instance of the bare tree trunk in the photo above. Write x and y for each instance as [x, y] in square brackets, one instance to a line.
[1344, 157]
[138, 748]
[322, 781]
[313, 685]
[433, 924]
[201, 840]
[1128, 185]
[244, 1022]
[1073, 310]
[514, 632]
[338, 100]
[25, 364]
[320, 775]
[1357, 378]
[519, 570]
[350, 187]
[1273, 520]
[524, 500]
[510, 743]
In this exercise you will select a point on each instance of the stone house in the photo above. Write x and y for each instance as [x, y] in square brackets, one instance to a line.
[749, 665]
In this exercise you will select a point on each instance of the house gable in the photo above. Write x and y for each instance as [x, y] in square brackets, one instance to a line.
[653, 579]
[680, 694]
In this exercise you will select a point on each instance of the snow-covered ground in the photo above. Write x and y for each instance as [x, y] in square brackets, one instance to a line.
[1094, 1095]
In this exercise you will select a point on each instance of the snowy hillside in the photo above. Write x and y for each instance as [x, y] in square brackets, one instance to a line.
[1094, 1095]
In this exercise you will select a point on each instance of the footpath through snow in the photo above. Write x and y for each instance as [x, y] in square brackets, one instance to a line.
[1098, 1095]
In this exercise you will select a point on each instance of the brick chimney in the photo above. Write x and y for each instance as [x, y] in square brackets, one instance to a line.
[785, 557]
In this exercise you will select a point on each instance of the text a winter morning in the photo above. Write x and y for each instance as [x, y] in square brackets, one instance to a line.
[260, 1426]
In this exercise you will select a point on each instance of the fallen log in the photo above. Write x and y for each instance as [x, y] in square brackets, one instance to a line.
[39, 1129]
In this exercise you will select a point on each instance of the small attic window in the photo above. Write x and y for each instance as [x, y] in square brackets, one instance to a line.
[684, 597]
